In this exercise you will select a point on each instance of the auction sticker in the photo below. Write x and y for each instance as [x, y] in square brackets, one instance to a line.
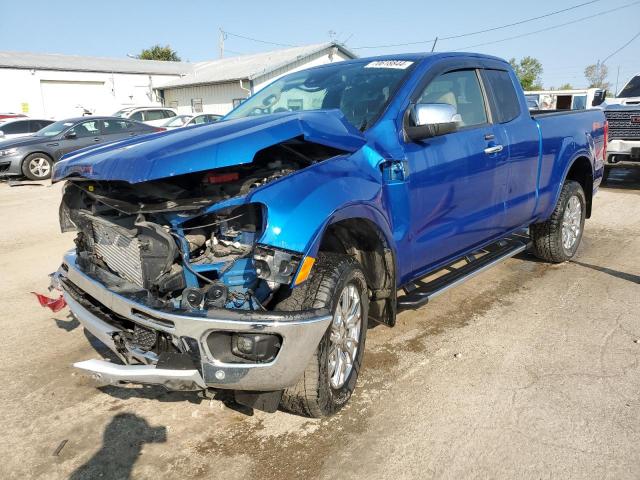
[398, 64]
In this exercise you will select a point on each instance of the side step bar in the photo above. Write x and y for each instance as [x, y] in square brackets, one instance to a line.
[419, 292]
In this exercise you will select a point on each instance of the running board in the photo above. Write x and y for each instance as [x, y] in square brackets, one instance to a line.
[419, 292]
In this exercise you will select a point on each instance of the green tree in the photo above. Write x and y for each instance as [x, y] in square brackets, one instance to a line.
[596, 75]
[566, 86]
[529, 71]
[158, 52]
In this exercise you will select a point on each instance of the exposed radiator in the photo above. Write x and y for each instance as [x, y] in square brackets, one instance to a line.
[120, 252]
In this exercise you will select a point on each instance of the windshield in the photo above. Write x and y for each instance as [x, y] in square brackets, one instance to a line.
[53, 129]
[631, 89]
[121, 113]
[360, 90]
[176, 121]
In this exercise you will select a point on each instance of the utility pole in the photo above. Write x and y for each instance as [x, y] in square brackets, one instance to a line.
[221, 37]
[434, 44]
[617, 79]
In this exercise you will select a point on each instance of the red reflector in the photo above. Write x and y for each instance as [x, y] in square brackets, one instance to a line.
[214, 178]
[55, 304]
[606, 140]
[160, 129]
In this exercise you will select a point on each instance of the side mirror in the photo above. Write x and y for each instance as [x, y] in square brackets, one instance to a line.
[599, 98]
[70, 135]
[431, 120]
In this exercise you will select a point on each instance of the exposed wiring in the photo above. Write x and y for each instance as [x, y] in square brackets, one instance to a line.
[184, 229]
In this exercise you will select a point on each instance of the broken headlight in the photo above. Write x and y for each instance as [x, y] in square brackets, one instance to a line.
[275, 265]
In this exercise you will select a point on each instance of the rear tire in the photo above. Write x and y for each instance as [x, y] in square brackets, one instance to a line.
[557, 239]
[37, 166]
[331, 375]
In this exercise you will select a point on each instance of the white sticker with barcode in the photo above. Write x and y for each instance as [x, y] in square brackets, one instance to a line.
[398, 64]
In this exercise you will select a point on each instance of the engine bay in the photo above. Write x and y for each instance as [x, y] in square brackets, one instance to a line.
[167, 238]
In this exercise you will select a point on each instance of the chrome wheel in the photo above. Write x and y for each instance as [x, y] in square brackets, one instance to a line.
[571, 222]
[345, 333]
[39, 167]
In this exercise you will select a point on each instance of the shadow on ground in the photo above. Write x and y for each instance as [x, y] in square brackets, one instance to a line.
[623, 178]
[122, 443]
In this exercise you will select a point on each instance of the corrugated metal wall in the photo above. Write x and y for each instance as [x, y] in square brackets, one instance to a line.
[217, 98]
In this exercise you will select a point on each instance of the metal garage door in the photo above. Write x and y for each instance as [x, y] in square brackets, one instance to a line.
[63, 99]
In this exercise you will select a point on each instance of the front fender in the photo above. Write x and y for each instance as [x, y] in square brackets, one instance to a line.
[301, 206]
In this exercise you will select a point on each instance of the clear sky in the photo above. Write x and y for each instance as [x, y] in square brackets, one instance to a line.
[116, 27]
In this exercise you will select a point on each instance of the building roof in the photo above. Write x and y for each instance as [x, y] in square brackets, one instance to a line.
[55, 61]
[249, 67]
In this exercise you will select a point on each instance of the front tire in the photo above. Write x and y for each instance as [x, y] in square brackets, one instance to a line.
[338, 284]
[557, 239]
[37, 166]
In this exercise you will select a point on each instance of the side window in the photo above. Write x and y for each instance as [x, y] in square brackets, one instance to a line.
[462, 90]
[505, 98]
[136, 116]
[112, 127]
[35, 125]
[86, 129]
[151, 115]
[16, 128]
[168, 113]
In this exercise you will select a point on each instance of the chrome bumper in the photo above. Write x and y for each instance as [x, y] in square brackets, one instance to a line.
[301, 333]
[621, 147]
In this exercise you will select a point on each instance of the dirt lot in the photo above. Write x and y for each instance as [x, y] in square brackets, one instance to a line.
[527, 371]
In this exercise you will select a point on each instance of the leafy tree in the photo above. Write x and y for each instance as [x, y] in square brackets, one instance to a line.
[529, 71]
[566, 86]
[158, 52]
[596, 75]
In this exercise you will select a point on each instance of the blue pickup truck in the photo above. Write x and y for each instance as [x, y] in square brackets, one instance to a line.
[253, 254]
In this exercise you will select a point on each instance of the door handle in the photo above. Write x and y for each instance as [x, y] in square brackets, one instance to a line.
[492, 150]
[96, 139]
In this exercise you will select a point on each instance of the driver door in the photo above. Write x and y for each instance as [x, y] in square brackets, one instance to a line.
[81, 135]
[458, 180]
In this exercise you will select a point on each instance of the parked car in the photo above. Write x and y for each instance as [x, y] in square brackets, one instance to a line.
[34, 156]
[202, 119]
[623, 115]
[11, 115]
[176, 122]
[155, 116]
[21, 127]
[253, 256]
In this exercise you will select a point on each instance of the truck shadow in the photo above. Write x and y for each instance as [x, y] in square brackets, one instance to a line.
[623, 178]
[122, 443]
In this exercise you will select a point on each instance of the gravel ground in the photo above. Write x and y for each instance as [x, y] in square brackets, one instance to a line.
[529, 370]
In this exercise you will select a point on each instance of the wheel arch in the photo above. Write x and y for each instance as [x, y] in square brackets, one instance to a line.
[581, 171]
[364, 234]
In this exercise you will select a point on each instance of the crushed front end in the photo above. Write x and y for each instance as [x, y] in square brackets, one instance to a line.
[170, 275]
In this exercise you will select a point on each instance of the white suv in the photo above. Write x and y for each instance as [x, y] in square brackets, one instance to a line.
[155, 116]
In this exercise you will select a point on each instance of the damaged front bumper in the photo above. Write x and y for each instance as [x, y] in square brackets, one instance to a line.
[95, 306]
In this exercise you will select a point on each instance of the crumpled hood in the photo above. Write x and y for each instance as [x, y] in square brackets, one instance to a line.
[200, 148]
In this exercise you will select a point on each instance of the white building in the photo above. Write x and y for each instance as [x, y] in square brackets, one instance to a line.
[219, 85]
[61, 86]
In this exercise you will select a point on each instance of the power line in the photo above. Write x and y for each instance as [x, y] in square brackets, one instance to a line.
[260, 41]
[477, 32]
[553, 27]
[622, 47]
